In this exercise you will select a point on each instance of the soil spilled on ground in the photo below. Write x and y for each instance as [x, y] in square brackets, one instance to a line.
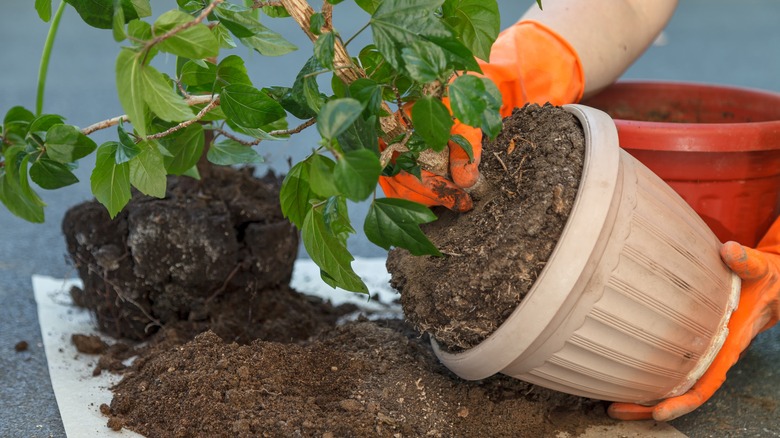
[278, 364]
[494, 253]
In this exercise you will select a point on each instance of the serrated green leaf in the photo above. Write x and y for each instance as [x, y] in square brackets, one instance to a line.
[160, 97]
[129, 85]
[66, 144]
[238, 20]
[424, 61]
[305, 90]
[337, 219]
[186, 148]
[275, 11]
[269, 43]
[357, 173]
[147, 171]
[337, 115]
[476, 102]
[194, 75]
[223, 37]
[232, 70]
[126, 149]
[43, 7]
[368, 92]
[396, 222]
[195, 42]
[139, 30]
[324, 49]
[296, 193]
[250, 107]
[477, 22]
[110, 181]
[50, 175]
[397, 24]
[432, 120]
[230, 152]
[321, 176]
[327, 251]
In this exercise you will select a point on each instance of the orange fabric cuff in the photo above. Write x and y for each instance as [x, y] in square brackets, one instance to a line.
[531, 63]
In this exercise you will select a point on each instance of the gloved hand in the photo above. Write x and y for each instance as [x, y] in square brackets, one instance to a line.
[528, 63]
[758, 310]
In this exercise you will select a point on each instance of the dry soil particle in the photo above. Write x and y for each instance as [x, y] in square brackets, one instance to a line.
[494, 253]
[361, 379]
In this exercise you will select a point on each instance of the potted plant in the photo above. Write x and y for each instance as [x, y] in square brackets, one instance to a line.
[715, 145]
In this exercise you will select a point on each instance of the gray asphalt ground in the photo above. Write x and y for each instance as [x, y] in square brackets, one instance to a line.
[710, 41]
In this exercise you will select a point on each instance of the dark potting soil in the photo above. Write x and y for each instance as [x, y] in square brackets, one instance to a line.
[494, 253]
[215, 253]
[361, 379]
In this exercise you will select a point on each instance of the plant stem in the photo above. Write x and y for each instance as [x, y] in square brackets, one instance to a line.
[365, 26]
[193, 100]
[46, 55]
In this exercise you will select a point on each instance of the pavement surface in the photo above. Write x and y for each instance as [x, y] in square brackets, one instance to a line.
[709, 41]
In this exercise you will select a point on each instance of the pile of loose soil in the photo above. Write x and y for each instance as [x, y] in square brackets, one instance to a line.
[361, 379]
[494, 253]
[204, 254]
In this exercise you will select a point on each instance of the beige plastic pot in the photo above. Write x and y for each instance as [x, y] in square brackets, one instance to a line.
[634, 301]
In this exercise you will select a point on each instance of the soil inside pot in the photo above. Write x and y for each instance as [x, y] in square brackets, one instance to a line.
[494, 253]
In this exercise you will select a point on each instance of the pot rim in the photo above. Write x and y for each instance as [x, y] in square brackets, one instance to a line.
[556, 283]
[698, 137]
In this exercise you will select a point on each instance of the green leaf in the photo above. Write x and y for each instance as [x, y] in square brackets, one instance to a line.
[368, 5]
[223, 37]
[267, 42]
[432, 121]
[360, 135]
[306, 91]
[16, 123]
[465, 144]
[147, 171]
[368, 92]
[396, 222]
[66, 144]
[329, 253]
[118, 24]
[195, 42]
[321, 175]
[186, 147]
[296, 193]
[232, 70]
[43, 122]
[110, 181]
[324, 49]
[43, 7]
[357, 173]
[477, 22]
[316, 22]
[425, 62]
[476, 102]
[139, 30]
[238, 20]
[193, 75]
[397, 24]
[15, 191]
[160, 97]
[126, 149]
[276, 11]
[250, 107]
[230, 152]
[337, 219]
[50, 175]
[129, 84]
[100, 13]
[337, 115]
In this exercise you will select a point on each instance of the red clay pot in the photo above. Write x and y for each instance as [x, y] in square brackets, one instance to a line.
[717, 146]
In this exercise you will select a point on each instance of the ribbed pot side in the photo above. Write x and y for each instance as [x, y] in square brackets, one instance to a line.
[633, 303]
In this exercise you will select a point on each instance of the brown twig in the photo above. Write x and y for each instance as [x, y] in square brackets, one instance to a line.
[257, 141]
[192, 100]
[202, 113]
[257, 4]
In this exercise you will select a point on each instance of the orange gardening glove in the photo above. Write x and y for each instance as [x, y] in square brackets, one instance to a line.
[758, 310]
[528, 63]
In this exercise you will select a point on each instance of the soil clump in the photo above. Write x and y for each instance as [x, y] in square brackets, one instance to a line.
[494, 253]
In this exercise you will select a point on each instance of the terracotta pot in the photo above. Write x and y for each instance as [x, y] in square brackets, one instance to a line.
[634, 301]
[717, 146]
